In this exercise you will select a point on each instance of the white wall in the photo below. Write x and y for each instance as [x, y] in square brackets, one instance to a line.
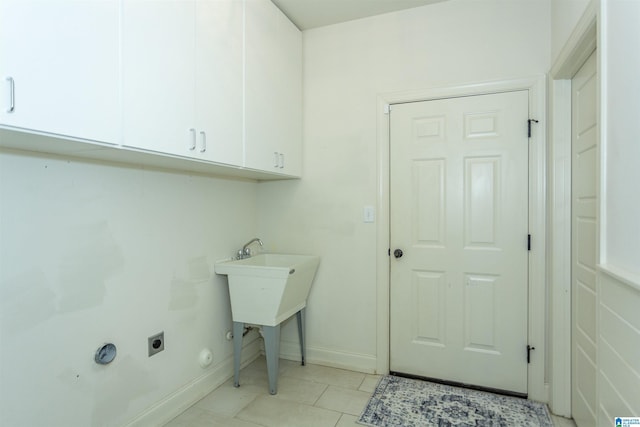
[345, 67]
[93, 253]
[564, 17]
[621, 102]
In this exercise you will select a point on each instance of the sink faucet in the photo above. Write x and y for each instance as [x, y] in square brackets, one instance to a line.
[245, 252]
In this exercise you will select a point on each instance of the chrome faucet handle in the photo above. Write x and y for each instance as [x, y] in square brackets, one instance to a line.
[245, 252]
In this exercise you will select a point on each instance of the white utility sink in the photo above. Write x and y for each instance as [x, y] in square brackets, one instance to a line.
[267, 289]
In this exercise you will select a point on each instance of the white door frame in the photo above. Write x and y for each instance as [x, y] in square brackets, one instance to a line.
[536, 85]
[575, 52]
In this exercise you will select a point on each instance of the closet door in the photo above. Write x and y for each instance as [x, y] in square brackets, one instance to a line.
[458, 233]
[584, 229]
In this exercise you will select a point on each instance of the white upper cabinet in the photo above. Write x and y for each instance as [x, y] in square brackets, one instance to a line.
[273, 90]
[182, 79]
[216, 81]
[158, 75]
[219, 79]
[60, 68]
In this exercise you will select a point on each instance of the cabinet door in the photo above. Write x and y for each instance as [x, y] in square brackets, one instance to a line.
[273, 90]
[158, 75]
[219, 38]
[60, 67]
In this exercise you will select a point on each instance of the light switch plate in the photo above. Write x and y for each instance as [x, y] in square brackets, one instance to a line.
[369, 214]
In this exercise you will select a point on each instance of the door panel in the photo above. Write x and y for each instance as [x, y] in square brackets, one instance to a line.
[459, 211]
[584, 178]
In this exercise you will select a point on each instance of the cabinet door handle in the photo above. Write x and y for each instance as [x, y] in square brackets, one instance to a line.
[12, 95]
[276, 160]
[281, 160]
[203, 136]
[192, 146]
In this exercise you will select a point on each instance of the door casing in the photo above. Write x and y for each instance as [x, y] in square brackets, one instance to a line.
[581, 43]
[536, 85]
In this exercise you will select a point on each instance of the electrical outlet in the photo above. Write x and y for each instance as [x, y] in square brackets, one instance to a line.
[156, 343]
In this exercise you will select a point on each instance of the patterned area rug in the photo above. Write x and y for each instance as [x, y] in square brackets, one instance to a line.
[403, 402]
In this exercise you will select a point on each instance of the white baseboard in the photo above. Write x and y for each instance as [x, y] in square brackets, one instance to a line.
[328, 357]
[173, 405]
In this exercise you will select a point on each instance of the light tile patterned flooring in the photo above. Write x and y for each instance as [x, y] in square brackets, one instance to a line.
[308, 396]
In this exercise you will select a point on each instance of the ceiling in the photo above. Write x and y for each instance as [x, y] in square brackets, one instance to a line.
[308, 14]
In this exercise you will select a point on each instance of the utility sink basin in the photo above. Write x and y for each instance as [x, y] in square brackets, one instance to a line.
[267, 289]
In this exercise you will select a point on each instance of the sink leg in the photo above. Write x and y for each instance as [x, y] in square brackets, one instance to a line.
[272, 348]
[238, 330]
[301, 333]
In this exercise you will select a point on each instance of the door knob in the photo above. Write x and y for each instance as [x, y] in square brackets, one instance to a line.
[397, 253]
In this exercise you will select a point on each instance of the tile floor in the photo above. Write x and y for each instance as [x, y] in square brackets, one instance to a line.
[308, 396]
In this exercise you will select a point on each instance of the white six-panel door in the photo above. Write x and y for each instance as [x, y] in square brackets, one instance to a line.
[459, 213]
[584, 226]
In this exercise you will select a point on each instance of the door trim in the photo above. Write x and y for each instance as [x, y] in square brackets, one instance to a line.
[536, 86]
[581, 43]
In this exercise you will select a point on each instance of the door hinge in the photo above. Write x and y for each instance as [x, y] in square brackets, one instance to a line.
[528, 242]
[386, 109]
[529, 348]
[529, 126]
